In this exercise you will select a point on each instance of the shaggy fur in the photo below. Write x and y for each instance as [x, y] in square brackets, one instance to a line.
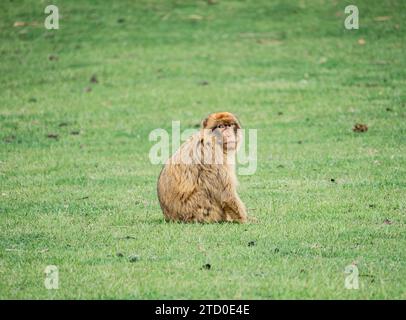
[198, 184]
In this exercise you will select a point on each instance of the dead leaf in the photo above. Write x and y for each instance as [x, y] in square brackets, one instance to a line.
[24, 24]
[323, 60]
[93, 79]
[359, 127]
[52, 136]
[383, 18]
[20, 24]
[166, 16]
[195, 17]
[361, 41]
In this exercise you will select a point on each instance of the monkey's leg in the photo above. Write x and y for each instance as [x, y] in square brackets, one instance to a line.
[206, 211]
[197, 207]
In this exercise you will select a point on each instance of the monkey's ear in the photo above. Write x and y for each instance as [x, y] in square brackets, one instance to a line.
[204, 122]
[237, 122]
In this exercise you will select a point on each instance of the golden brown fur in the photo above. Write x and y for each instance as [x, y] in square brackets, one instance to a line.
[198, 183]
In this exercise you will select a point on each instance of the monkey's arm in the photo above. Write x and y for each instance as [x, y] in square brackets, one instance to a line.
[230, 202]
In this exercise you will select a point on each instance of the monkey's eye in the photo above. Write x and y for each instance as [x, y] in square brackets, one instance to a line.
[221, 126]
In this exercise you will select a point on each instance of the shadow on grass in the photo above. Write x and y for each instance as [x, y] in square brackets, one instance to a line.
[162, 221]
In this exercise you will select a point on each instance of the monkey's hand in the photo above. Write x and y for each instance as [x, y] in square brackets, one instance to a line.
[235, 210]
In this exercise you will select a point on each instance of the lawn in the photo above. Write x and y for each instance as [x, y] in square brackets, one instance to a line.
[77, 188]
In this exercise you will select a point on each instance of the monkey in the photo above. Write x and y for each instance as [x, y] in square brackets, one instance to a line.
[199, 183]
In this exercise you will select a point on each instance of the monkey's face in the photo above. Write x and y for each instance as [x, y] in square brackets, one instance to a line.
[224, 127]
[227, 136]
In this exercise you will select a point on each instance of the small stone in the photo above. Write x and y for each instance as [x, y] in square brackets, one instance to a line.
[9, 139]
[134, 258]
[359, 127]
[52, 57]
[93, 79]
[207, 266]
[52, 136]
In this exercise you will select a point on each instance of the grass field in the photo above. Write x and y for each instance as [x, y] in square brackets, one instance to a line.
[77, 189]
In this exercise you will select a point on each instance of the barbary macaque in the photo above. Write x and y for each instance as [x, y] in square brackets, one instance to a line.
[199, 183]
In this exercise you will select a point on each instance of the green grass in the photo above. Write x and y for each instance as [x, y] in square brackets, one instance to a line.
[287, 68]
